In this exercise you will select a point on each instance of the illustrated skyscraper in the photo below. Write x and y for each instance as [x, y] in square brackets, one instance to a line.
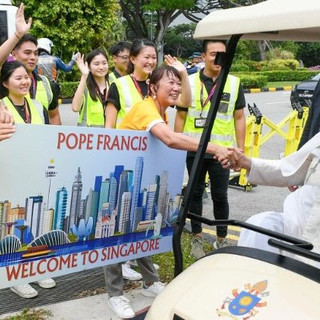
[50, 173]
[104, 194]
[75, 203]
[34, 210]
[138, 171]
[123, 187]
[60, 208]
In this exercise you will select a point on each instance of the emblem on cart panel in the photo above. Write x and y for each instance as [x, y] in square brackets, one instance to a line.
[244, 305]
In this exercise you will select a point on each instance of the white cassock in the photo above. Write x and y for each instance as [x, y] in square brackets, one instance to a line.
[301, 209]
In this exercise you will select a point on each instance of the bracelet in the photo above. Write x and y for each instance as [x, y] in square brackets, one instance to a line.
[17, 35]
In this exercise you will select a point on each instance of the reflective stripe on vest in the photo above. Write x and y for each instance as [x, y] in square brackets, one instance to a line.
[128, 95]
[93, 110]
[36, 110]
[44, 93]
[112, 77]
[223, 129]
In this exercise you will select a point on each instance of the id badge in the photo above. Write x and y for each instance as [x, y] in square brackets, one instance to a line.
[199, 122]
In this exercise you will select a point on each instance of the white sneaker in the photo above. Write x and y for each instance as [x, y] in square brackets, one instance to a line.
[120, 305]
[24, 291]
[133, 263]
[221, 244]
[153, 290]
[46, 283]
[130, 274]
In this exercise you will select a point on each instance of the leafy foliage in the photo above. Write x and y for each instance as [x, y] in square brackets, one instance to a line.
[179, 41]
[78, 25]
[27, 314]
[309, 53]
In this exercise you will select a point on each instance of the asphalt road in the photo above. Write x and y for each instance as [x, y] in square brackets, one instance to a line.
[275, 106]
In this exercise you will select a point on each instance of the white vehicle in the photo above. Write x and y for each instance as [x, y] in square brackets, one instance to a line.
[236, 282]
[7, 20]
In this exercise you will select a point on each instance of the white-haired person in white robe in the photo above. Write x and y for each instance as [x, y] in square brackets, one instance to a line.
[301, 209]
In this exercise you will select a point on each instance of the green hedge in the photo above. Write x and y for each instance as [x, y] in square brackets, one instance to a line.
[281, 75]
[253, 81]
[68, 89]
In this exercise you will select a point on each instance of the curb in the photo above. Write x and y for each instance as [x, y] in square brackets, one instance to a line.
[265, 89]
[65, 101]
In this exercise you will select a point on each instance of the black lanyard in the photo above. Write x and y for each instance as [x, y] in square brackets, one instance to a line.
[138, 86]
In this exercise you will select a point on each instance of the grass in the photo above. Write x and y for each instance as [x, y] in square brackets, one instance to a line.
[31, 314]
[166, 260]
[275, 84]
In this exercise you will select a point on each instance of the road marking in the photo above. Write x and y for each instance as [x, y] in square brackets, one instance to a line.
[213, 233]
[279, 102]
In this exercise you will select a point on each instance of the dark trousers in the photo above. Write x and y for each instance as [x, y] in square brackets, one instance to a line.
[219, 181]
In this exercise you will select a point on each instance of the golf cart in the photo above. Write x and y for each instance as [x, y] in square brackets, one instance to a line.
[238, 282]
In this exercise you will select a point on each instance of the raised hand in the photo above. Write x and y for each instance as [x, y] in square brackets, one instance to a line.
[174, 62]
[22, 26]
[82, 65]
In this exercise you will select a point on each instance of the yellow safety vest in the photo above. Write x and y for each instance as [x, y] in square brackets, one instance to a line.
[93, 111]
[44, 93]
[36, 110]
[112, 77]
[128, 95]
[223, 129]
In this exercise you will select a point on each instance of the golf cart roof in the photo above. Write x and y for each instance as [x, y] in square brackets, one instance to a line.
[269, 20]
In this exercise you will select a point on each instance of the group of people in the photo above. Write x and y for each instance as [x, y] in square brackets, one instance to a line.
[135, 96]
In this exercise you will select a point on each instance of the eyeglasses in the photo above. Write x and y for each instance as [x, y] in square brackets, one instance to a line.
[124, 57]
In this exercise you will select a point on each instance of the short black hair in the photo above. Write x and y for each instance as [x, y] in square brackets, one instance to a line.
[26, 38]
[206, 42]
[120, 46]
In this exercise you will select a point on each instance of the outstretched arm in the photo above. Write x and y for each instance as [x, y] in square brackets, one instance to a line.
[182, 142]
[22, 27]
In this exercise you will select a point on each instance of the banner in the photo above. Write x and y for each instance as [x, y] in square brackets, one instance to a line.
[74, 198]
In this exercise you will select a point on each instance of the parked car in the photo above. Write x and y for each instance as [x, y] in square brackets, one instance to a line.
[303, 91]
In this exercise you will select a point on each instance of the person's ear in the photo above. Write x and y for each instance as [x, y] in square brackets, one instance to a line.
[153, 90]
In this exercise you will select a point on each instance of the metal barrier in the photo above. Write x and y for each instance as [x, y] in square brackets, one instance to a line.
[295, 122]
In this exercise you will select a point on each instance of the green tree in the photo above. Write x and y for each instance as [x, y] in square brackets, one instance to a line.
[179, 42]
[78, 25]
[309, 53]
[151, 18]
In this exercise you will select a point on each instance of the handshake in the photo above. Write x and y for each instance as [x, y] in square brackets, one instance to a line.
[232, 158]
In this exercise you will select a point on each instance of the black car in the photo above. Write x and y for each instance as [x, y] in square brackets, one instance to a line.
[303, 91]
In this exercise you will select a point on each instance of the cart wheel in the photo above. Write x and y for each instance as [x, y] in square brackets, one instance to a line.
[248, 188]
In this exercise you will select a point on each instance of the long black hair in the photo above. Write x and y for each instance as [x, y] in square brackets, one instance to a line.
[91, 83]
[136, 48]
[6, 71]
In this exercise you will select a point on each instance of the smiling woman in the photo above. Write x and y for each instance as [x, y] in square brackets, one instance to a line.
[90, 98]
[14, 87]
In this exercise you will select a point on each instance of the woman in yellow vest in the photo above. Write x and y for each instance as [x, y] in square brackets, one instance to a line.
[90, 97]
[14, 89]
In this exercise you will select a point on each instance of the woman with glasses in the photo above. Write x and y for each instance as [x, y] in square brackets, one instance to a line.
[90, 97]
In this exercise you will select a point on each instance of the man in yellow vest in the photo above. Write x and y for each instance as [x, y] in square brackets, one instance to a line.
[26, 51]
[120, 55]
[229, 124]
